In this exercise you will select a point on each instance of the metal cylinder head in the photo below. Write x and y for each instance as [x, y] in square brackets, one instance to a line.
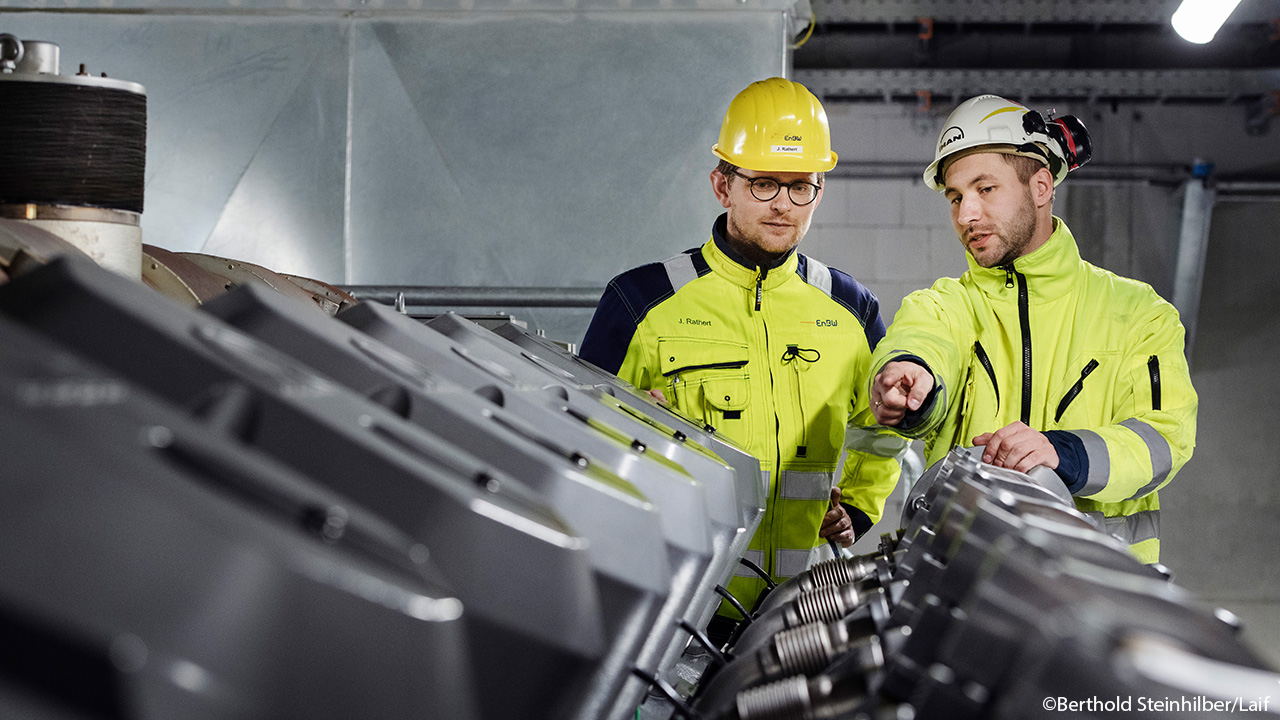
[839, 571]
[783, 700]
[826, 604]
[805, 650]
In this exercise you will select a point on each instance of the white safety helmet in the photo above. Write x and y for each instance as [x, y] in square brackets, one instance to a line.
[1060, 143]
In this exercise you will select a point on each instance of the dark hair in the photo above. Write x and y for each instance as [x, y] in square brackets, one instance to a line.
[1023, 166]
[727, 169]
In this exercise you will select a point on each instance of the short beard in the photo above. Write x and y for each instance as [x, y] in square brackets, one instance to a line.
[1018, 232]
[749, 246]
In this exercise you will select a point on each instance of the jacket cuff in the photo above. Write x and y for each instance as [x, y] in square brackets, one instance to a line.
[861, 523]
[1073, 461]
[914, 419]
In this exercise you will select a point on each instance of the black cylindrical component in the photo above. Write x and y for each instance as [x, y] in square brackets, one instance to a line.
[76, 141]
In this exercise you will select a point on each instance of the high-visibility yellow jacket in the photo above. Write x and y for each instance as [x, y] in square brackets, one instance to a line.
[773, 359]
[1092, 359]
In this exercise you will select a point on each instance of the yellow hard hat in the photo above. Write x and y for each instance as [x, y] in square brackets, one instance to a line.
[776, 125]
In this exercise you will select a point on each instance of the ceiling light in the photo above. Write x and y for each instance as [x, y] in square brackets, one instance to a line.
[1198, 21]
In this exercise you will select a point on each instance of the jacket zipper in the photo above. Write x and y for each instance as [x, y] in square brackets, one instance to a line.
[964, 389]
[675, 374]
[708, 366]
[991, 371]
[1024, 323]
[771, 562]
[1075, 390]
[1153, 366]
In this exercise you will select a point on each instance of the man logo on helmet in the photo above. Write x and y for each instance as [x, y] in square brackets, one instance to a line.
[949, 136]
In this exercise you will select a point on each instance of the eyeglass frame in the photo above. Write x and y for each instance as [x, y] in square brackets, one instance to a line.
[751, 181]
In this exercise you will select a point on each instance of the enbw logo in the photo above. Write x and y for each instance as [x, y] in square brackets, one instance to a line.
[826, 323]
[794, 138]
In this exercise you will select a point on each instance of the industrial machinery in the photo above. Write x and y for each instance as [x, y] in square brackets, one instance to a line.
[231, 493]
[996, 599]
[217, 510]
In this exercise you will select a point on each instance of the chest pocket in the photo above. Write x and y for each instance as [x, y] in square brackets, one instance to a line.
[1085, 396]
[707, 381]
[979, 398]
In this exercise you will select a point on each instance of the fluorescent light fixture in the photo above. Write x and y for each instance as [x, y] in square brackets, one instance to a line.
[1198, 21]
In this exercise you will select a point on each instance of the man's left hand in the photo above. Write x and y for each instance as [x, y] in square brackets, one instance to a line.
[836, 524]
[1017, 447]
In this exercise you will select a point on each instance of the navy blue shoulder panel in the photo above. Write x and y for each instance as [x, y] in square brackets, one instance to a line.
[699, 262]
[628, 298]
[854, 297]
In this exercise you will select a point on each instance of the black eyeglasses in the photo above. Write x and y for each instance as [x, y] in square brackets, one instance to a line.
[764, 189]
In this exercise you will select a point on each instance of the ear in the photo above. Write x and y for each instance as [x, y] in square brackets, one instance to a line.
[1042, 187]
[720, 186]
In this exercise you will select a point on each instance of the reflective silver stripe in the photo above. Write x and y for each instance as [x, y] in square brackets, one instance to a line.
[1143, 525]
[1099, 462]
[755, 556]
[1132, 529]
[791, 562]
[680, 271]
[1161, 455]
[797, 485]
[817, 275]
[875, 443]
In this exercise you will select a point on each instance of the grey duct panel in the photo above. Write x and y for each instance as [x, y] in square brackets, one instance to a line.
[535, 165]
[156, 570]
[428, 148]
[460, 508]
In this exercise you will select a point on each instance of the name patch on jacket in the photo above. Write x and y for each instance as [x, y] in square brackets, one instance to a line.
[694, 321]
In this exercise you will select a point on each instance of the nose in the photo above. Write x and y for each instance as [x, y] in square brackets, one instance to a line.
[782, 201]
[968, 210]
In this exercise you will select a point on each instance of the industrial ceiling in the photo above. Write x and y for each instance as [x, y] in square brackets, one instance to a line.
[1111, 51]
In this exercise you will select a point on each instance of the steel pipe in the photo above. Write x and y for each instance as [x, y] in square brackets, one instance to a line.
[1172, 174]
[450, 296]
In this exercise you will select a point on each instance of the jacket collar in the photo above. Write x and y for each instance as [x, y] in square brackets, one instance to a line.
[1050, 270]
[728, 262]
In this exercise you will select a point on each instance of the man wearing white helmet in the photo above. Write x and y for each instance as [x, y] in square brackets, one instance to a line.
[1034, 354]
[766, 345]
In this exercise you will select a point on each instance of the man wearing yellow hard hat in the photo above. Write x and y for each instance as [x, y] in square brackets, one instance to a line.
[768, 346]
